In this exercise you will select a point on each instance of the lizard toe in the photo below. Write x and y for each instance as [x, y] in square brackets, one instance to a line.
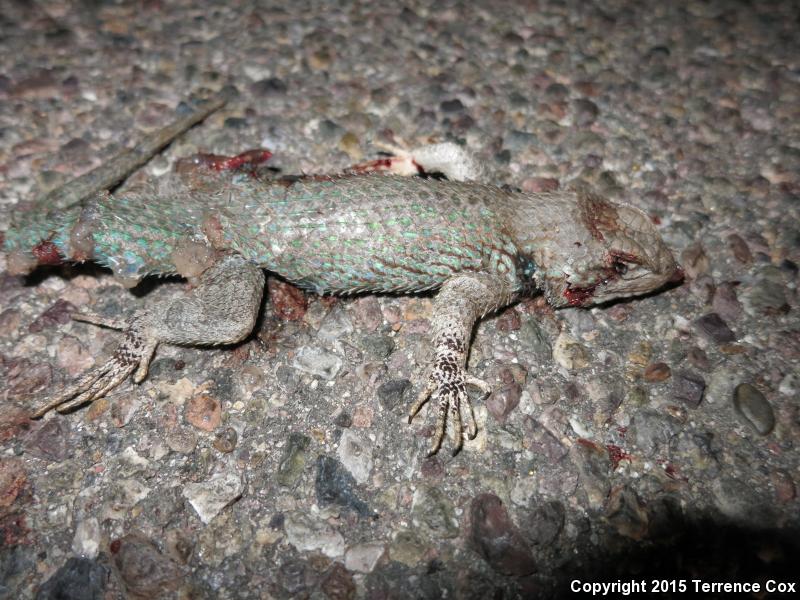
[447, 386]
[456, 427]
[441, 421]
[422, 399]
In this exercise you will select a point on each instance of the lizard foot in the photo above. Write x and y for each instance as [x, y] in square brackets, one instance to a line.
[449, 388]
[133, 354]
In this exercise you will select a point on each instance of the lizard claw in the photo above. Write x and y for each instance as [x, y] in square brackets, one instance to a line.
[451, 394]
[134, 353]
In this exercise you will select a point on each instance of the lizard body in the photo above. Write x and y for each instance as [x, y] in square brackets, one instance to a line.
[481, 246]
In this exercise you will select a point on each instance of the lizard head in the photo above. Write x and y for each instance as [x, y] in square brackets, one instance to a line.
[612, 251]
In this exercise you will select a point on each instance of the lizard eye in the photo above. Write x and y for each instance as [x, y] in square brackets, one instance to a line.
[619, 267]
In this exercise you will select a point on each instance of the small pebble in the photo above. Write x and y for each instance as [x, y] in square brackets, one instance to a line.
[545, 523]
[335, 485]
[689, 388]
[657, 372]
[293, 459]
[726, 303]
[753, 408]
[338, 583]
[714, 328]
[225, 440]
[204, 412]
[504, 400]
[698, 358]
[317, 361]
[740, 249]
[586, 112]
[210, 497]
[392, 393]
[271, 86]
[626, 513]
[450, 106]
[569, 353]
[144, 569]
[538, 185]
[694, 261]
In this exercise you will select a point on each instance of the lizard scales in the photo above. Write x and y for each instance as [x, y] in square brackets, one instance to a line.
[480, 245]
[359, 233]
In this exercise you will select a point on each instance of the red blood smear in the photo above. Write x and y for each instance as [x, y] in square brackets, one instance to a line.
[256, 156]
[578, 296]
[219, 162]
[46, 253]
[379, 164]
[678, 276]
[616, 454]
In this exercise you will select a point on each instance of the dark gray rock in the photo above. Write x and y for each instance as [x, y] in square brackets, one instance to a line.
[544, 523]
[496, 539]
[77, 579]
[392, 393]
[335, 485]
[688, 387]
[272, 86]
[714, 328]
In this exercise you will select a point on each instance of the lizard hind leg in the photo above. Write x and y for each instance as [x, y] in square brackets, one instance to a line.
[221, 309]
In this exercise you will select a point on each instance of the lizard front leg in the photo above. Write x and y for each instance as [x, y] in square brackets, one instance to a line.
[461, 301]
[222, 309]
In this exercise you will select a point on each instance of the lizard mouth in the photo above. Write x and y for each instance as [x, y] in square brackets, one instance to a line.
[622, 278]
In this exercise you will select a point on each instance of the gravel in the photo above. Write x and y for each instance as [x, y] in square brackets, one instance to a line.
[656, 437]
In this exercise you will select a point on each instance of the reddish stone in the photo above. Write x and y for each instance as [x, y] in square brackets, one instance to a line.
[785, 490]
[57, 314]
[503, 401]
[204, 412]
[508, 321]
[616, 454]
[13, 421]
[495, 537]
[288, 302]
[12, 481]
[13, 530]
[24, 379]
[657, 372]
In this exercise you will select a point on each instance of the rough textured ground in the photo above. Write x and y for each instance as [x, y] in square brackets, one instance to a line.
[653, 438]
